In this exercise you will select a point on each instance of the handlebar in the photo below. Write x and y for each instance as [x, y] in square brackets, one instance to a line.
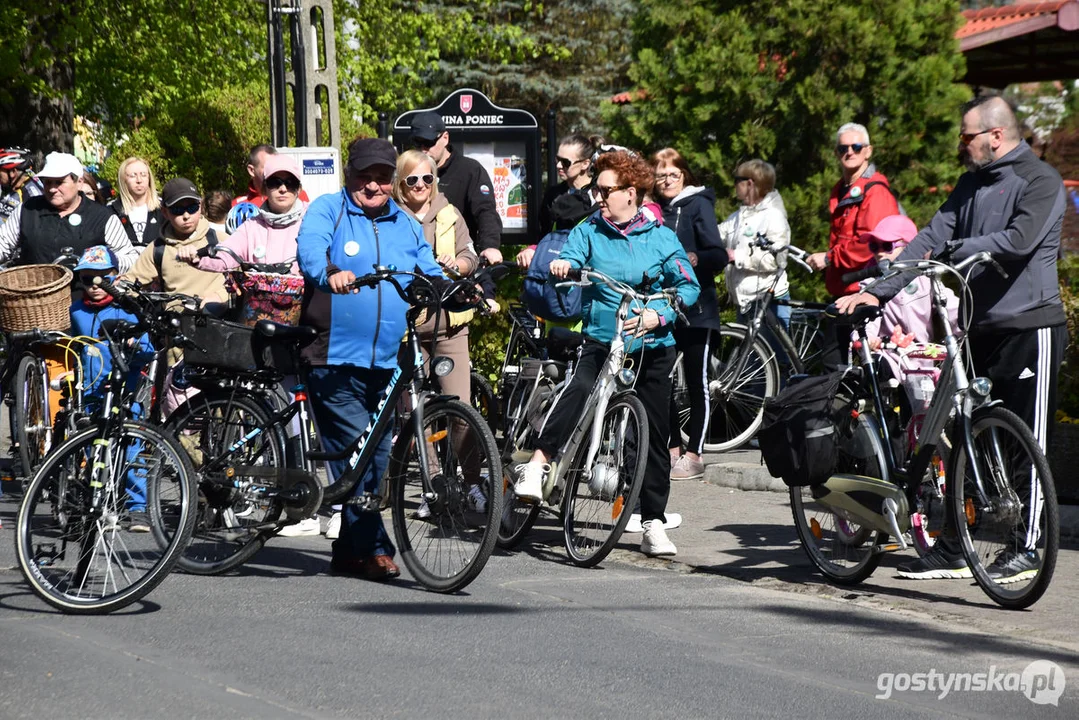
[588, 276]
[35, 336]
[797, 254]
[281, 268]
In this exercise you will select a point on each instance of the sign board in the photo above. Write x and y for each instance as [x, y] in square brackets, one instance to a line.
[505, 141]
[320, 167]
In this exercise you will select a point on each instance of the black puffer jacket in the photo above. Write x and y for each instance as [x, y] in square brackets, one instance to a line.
[692, 216]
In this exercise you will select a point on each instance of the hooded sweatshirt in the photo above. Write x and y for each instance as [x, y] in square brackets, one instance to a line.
[754, 268]
[176, 275]
[1014, 209]
[692, 216]
[256, 241]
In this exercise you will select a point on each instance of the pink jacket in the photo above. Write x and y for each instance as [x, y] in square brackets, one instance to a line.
[256, 242]
[911, 310]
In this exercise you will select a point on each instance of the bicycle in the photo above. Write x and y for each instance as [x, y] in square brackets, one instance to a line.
[237, 442]
[744, 369]
[999, 490]
[69, 542]
[596, 476]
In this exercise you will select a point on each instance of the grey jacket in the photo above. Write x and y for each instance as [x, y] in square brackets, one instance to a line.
[1013, 208]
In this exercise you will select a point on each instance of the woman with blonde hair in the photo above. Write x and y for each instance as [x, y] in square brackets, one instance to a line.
[138, 207]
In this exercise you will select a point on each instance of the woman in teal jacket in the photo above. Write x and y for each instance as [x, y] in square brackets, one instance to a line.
[624, 243]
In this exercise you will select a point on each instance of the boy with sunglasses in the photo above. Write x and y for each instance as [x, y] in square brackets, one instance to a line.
[87, 314]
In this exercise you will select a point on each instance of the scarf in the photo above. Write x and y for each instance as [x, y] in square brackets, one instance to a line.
[96, 304]
[280, 220]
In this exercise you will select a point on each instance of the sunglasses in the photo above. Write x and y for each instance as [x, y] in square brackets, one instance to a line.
[877, 246]
[605, 192]
[185, 209]
[291, 184]
[88, 280]
[414, 180]
[856, 147]
[968, 138]
[566, 163]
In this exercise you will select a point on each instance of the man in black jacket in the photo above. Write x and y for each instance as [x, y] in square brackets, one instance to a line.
[464, 182]
[1010, 204]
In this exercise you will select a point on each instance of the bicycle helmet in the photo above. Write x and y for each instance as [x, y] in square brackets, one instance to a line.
[239, 214]
[15, 158]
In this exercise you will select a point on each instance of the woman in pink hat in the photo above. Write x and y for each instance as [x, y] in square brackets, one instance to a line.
[270, 237]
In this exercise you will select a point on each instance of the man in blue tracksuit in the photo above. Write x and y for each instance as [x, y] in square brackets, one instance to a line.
[342, 237]
[1011, 204]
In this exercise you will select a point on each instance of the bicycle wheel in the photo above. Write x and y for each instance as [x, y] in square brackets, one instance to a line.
[517, 517]
[1011, 543]
[33, 427]
[78, 558]
[484, 400]
[597, 505]
[446, 548]
[808, 340]
[736, 390]
[839, 548]
[235, 516]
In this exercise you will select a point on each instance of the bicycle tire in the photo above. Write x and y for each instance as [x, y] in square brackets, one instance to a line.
[446, 550]
[517, 517]
[54, 514]
[33, 427]
[839, 549]
[484, 400]
[736, 403]
[225, 538]
[986, 534]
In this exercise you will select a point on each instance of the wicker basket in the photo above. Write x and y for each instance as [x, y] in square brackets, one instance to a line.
[35, 296]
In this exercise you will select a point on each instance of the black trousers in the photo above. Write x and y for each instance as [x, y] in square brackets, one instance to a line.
[694, 344]
[653, 389]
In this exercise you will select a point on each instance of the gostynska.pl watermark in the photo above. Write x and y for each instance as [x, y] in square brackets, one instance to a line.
[1041, 682]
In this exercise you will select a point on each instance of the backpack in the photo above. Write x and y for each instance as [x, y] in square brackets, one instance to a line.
[799, 436]
[159, 248]
[540, 295]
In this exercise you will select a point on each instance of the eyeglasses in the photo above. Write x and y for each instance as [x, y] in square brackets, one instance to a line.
[185, 209]
[88, 279]
[605, 192]
[876, 246]
[841, 150]
[741, 179]
[291, 184]
[426, 179]
[566, 163]
[668, 177]
[968, 138]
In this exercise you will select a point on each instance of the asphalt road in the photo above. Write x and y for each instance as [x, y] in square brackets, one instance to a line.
[533, 637]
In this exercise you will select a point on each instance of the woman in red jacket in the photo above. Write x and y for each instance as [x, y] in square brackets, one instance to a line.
[860, 200]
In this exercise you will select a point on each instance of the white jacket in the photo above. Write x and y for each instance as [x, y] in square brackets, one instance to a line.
[754, 268]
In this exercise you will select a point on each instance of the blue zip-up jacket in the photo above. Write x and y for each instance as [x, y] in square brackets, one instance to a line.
[362, 329]
[96, 359]
[644, 247]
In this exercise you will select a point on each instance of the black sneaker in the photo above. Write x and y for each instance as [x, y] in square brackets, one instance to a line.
[1011, 566]
[138, 522]
[939, 564]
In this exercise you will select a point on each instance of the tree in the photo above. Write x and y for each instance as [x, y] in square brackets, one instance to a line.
[727, 81]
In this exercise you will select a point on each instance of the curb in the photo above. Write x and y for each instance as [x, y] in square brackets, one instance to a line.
[743, 470]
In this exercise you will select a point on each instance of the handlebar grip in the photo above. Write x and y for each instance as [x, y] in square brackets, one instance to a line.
[107, 286]
[369, 280]
[27, 336]
[859, 275]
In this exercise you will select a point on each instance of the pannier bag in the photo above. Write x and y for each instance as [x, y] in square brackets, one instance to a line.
[799, 436]
[224, 345]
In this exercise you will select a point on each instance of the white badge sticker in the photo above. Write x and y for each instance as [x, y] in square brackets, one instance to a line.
[855, 192]
[259, 252]
[352, 248]
[74, 220]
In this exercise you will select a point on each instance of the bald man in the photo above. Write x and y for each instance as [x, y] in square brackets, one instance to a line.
[1010, 204]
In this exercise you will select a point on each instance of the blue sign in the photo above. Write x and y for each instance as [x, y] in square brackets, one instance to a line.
[318, 166]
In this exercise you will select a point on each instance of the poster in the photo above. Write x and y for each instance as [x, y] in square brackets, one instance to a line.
[505, 164]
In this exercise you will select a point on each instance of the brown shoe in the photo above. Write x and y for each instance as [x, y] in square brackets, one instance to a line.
[374, 567]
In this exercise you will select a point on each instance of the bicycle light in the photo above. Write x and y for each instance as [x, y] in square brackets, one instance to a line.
[981, 386]
[442, 366]
[626, 377]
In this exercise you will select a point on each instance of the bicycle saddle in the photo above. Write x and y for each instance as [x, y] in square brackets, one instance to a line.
[301, 334]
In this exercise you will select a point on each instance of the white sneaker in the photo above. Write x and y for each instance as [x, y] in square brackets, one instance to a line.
[529, 486]
[305, 528]
[333, 527]
[476, 499]
[655, 541]
[634, 524]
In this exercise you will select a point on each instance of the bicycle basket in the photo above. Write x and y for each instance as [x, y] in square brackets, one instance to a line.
[271, 296]
[35, 297]
[225, 345]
